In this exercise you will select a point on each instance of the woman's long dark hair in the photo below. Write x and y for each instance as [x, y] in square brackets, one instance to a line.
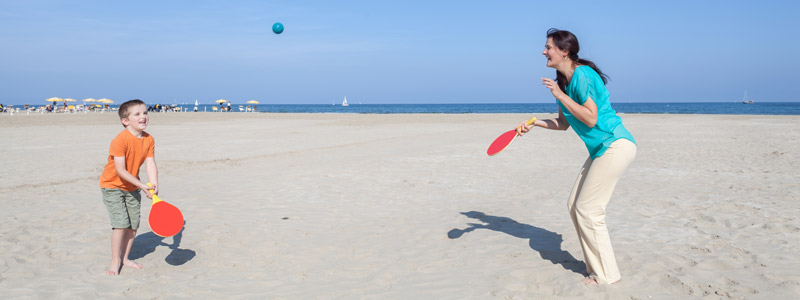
[566, 41]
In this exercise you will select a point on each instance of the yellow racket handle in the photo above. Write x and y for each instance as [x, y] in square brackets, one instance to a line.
[155, 198]
[529, 123]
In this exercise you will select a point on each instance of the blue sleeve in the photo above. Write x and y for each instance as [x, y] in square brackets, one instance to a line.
[582, 87]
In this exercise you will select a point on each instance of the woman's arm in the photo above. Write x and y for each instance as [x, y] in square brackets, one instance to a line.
[559, 123]
[586, 113]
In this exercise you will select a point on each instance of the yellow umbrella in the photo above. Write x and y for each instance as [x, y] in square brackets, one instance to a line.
[221, 101]
[252, 102]
[54, 99]
[69, 100]
[89, 100]
[105, 100]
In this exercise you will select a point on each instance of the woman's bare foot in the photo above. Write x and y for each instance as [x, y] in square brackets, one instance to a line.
[132, 264]
[592, 281]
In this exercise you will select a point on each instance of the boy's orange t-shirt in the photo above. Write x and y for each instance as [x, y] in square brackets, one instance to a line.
[135, 150]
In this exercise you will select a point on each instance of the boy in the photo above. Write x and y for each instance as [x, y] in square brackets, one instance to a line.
[120, 182]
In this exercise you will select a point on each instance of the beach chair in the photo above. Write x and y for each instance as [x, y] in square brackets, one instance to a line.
[241, 108]
[214, 109]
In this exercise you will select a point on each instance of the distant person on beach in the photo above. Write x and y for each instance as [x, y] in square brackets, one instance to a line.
[583, 104]
[120, 182]
[229, 106]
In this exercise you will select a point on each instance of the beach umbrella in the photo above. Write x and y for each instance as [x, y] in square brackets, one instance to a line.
[221, 101]
[252, 102]
[105, 100]
[89, 100]
[69, 100]
[54, 99]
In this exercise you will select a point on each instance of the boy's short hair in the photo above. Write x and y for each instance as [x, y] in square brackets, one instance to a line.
[124, 107]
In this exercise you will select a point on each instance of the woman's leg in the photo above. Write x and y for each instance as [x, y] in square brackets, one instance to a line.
[592, 197]
[573, 197]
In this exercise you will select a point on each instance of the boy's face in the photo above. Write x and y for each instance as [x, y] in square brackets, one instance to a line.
[137, 118]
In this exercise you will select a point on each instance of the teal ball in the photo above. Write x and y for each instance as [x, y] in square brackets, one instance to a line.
[277, 28]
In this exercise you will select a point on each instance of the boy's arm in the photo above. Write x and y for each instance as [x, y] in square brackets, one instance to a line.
[152, 172]
[119, 166]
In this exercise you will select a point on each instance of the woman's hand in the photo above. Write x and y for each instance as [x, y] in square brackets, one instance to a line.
[553, 86]
[524, 128]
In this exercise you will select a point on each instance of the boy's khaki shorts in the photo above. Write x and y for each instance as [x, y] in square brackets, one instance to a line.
[123, 207]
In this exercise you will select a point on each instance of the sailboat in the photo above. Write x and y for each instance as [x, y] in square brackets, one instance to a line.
[344, 103]
[745, 101]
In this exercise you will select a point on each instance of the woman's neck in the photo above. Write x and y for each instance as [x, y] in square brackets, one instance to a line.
[567, 69]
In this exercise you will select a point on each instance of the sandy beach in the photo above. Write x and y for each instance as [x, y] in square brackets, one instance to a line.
[360, 206]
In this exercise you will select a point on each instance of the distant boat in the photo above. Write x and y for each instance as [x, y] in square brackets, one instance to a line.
[344, 102]
[745, 101]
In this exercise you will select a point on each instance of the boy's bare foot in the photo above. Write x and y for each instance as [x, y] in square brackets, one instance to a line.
[113, 268]
[132, 264]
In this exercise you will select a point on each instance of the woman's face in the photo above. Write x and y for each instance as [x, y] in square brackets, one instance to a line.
[554, 55]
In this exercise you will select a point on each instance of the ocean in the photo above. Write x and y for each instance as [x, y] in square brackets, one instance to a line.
[728, 108]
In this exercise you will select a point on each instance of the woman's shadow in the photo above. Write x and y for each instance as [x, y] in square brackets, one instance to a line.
[145, 244]
[546, 242]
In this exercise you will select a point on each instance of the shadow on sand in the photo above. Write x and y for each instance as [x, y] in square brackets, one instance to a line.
[546, 242]
[145, 244]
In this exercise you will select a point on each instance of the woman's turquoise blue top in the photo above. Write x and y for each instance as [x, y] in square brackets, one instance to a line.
[585, 84]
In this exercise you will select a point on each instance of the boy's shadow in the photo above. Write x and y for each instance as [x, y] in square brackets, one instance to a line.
[546, 242]
[145, 244]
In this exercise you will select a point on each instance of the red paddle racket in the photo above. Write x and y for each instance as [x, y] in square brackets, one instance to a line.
[505, 139]
[165, 219]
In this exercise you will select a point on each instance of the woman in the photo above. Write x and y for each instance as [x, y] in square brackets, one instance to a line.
[583, 104]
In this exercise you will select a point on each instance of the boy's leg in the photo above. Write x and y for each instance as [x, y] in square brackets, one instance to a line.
[130, 235]
[133, 202]
[117, 235]
[114, 200]
[123, 208]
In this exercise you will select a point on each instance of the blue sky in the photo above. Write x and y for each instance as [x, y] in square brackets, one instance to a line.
[391, 52]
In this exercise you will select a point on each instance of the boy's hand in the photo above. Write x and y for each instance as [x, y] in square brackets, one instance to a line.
[149, 191]
[147, 194]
